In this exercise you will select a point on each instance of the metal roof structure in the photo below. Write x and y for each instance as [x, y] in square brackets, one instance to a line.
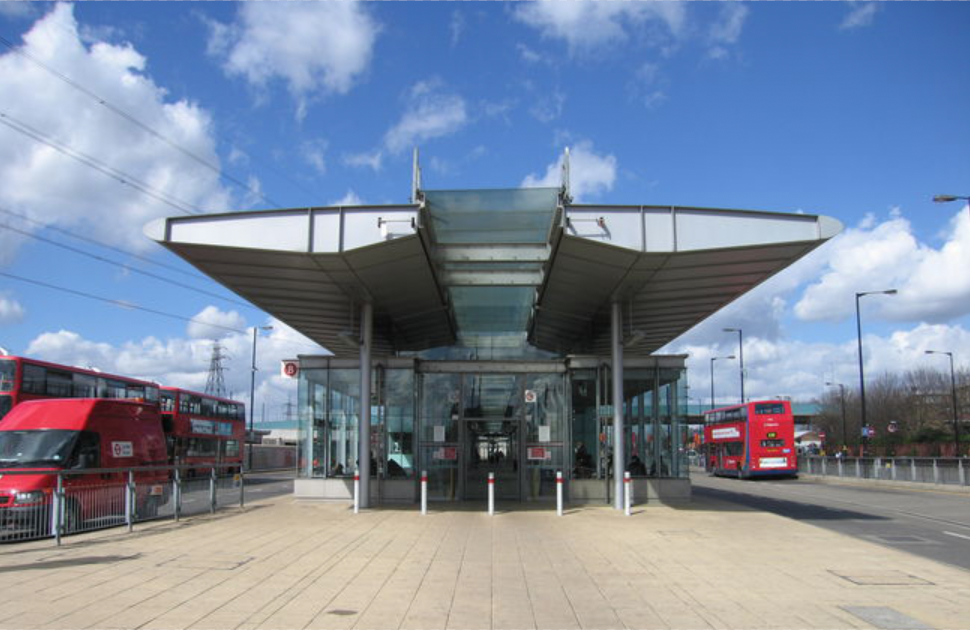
[517, 267]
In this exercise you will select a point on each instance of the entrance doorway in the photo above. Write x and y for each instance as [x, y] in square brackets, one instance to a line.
[492, 446]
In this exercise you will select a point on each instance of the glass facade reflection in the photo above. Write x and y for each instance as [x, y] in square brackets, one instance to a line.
[521, 421]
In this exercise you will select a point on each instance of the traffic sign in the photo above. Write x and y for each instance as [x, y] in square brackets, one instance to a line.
[290, 369]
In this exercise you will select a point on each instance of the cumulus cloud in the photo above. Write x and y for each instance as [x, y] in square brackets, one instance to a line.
[212, 323]
[430, 111]
[349, 199]
[860, 14]
[587, 26]
[184, 362]
[316, 48]
[933, 282]
[16, 9]
[590, 173]
[11, 312]
[314, 153]
[727, 29]
[50, 187]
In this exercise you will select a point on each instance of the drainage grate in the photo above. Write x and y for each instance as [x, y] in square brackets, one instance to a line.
[882, 578]
[886, 618]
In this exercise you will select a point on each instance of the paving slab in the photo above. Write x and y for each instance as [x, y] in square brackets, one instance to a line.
[283, 563]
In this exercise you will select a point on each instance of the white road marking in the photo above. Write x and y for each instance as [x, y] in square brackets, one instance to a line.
[957, 535]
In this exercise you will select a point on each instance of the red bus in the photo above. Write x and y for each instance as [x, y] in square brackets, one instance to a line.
[23, 379]
[202, 429]
[756, 439]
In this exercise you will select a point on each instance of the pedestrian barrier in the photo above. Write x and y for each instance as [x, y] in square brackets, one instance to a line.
[559, 492]
[78, 501]
[491, 494]
[949, 471]
[424, 492]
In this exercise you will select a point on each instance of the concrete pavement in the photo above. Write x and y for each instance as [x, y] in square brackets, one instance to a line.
[287, 564]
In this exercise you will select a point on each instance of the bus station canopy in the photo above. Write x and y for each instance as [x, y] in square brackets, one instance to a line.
[493, 268]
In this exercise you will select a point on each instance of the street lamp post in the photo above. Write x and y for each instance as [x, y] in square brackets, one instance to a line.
[252, 395]
[948, 198]
[740, 356]
[842, 398]
[953, 389]
[713, 359]
[862, 379]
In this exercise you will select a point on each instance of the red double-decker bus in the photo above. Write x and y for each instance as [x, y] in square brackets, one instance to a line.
[203, 429]
[756, 439]
[23, 379]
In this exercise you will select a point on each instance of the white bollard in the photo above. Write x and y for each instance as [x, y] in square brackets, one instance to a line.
[491, 493]
[559, 492]
[356, 491]
[628, 493]
[424, 492]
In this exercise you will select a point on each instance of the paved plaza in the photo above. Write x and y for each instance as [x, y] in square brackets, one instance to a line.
[284, 564]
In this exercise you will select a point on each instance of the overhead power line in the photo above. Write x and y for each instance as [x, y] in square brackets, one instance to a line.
[135, 121]
[95, 241]
[122, 265]
[122, 177]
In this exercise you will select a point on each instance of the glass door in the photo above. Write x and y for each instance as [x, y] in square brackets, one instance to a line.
[492, 415]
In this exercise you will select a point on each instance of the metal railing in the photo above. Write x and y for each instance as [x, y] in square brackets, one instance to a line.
[65, 502]
[951, 471]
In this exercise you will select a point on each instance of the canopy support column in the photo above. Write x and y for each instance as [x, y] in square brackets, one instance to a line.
[363, 436]
[619, 457]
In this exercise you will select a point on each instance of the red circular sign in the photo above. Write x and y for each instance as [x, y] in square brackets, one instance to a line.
[290, 368]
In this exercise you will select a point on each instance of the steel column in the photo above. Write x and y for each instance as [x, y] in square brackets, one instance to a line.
[619, 458]
[363, 437]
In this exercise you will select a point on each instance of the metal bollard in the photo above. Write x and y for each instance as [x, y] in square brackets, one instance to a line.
[177, 494]
[130, 501]
[242, 489]
[962, 472]
[424, 492]
[559, 492]
[57, 508]
[912, 468]
[627, 493]
[212, 490]
[840, 468]
[858, 468]
[356, 491]
[491, 493]
[936, 472]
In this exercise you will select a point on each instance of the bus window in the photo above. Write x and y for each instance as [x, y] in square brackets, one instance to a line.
[85, 386]
[135, 391]
[735, 448]
[151, 393]
[166, 401]
[35, 379]
[114, 389]
[8, 372]
[6, 404]
[772, 443]
[59, 384]
[202, 447]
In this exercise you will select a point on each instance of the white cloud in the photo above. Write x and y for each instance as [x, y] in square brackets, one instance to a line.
[212, 323]
[647, 84]
[11, 312]
[860, 14]
[933, 283]
[15, 9]
[49, 187]
[586, 26]
[316, 48]
[590, 174]
[527, 54]
[185, 362]
[457, 26]
[727, 30]
[549, 107]
[430, 113]
[369, 159]
[314, 152]
[349, 199]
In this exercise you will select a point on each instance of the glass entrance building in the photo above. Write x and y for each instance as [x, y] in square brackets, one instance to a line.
[509, 332]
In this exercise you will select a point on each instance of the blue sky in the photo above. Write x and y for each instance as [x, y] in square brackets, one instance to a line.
[855, 110]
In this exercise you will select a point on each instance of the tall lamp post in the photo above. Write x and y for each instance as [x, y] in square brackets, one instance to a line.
[953, 389]
[740, 356]
[252, 396]
[862, 379]
[842, 398]
[713, 359]
[948, 198]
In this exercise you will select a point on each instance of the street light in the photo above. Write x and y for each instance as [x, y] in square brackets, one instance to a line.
[252, 395]
[842, 397]
[713, 359]
[862, 379]
[740, 356]
[953, 389]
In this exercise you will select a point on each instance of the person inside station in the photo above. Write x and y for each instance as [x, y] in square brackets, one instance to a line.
[636, 468]
[583, 462]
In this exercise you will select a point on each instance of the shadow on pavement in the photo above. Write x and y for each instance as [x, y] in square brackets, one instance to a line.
[726, 500]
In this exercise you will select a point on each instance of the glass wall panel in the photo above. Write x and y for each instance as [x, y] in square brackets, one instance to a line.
[546, 433]
[584, 423]
[313, 422]
[438, 439]
[638, 385]
[344, 413]
[399, 412]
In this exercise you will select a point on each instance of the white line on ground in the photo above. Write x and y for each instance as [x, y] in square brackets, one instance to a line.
[957, 535]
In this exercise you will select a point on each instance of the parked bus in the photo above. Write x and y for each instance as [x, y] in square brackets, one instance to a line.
[23, 379]
[202, 429]
[756, 439]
